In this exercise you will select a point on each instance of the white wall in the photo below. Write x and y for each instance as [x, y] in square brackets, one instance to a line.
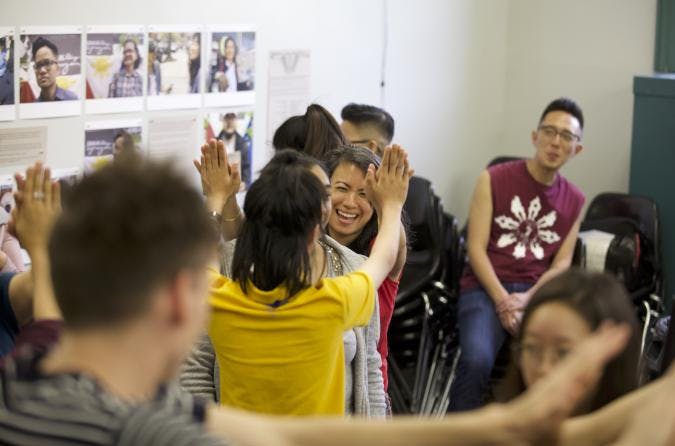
[344, 43]
[447, 64]
[466, 79]
[587, 50]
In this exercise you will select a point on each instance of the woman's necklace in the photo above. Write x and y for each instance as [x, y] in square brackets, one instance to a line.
[332, 259]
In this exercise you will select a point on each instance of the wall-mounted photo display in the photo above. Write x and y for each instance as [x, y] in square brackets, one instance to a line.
[7, 108]
[235, 129]
[230, 74]
[50, 71]
[107, 141]
[116, 67]
[175, 69]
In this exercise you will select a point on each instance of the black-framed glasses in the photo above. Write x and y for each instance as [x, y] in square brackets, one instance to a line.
[550, 132]
[44, 63]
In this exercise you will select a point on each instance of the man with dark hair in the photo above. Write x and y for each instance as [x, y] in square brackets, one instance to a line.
[368, 126]
[46, 65]
[523, 226]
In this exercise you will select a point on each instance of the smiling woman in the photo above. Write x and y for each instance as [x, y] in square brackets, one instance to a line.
[353, 223]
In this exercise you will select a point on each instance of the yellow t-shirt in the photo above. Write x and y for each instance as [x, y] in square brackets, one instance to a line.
[289, 359]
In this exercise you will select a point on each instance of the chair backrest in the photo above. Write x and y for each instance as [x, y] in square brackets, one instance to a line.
[425, 257]
[641, 212]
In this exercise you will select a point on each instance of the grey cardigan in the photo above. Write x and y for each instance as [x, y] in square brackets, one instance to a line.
[199, 374]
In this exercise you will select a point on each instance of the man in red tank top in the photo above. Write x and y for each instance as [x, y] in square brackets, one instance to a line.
[523, 225]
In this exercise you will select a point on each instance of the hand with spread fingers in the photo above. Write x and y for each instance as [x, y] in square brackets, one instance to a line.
[38, 203]
[220, 180]
[389, 184]
[537, 415]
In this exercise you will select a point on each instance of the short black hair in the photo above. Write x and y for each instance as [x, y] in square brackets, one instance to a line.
[125, 230]
[282, 207]
[363, 114]
[566, 105]
[41, 42]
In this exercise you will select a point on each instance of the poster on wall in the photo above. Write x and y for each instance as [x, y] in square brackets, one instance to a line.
[7, 108]
[175, 138]
[22, 147]
[230, 72]
[115, 69]
[50, 71]
[288, 92]
[235, 129]
[175, 68]
[105, 141]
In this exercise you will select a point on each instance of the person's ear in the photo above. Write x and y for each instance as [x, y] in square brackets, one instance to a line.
[534, 137]
[578, 149]
[177, 300]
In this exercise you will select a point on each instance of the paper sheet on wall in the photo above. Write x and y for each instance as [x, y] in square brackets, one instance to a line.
[21, 147]
[175, 138]
[596, 244]
[288, 92]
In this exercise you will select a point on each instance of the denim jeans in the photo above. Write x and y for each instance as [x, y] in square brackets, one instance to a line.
[481, 335]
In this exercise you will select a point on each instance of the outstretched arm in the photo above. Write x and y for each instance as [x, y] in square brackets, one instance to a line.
[387, 189]
[530, 419]
[38, 203]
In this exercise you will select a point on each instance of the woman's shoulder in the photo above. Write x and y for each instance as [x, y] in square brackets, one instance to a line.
[350, 260]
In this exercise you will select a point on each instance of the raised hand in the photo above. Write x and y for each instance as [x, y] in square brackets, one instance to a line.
[38, 203]
[389, 185]
[220, 180]
[536, 416]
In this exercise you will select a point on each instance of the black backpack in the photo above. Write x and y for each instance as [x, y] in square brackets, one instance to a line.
[626, 257]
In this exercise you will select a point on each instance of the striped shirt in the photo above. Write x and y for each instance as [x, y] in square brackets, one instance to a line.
[72, 409]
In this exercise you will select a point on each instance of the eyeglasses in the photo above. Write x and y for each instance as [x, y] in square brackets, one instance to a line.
[536, 353]
[44, 63]
[550, 132]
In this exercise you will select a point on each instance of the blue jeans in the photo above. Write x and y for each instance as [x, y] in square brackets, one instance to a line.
[481, 335]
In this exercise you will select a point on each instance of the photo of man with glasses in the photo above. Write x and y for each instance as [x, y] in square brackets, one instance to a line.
[46, 66]
[523, 225]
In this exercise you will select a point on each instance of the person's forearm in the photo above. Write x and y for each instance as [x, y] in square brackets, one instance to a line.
[605, 425]
[484, 427]
[232, 219]
[44, 301]
[384, 251]
[550, 273]
[485, 272]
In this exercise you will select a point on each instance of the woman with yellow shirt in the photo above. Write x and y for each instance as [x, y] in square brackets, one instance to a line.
[277, 325]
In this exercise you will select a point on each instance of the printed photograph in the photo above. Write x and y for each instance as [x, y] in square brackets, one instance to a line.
[235, 129]
[115, 65]
[231, 62]
[174, 63]
[102, 146]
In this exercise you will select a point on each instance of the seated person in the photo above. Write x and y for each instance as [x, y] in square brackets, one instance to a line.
[523, 225]
[562, 313]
